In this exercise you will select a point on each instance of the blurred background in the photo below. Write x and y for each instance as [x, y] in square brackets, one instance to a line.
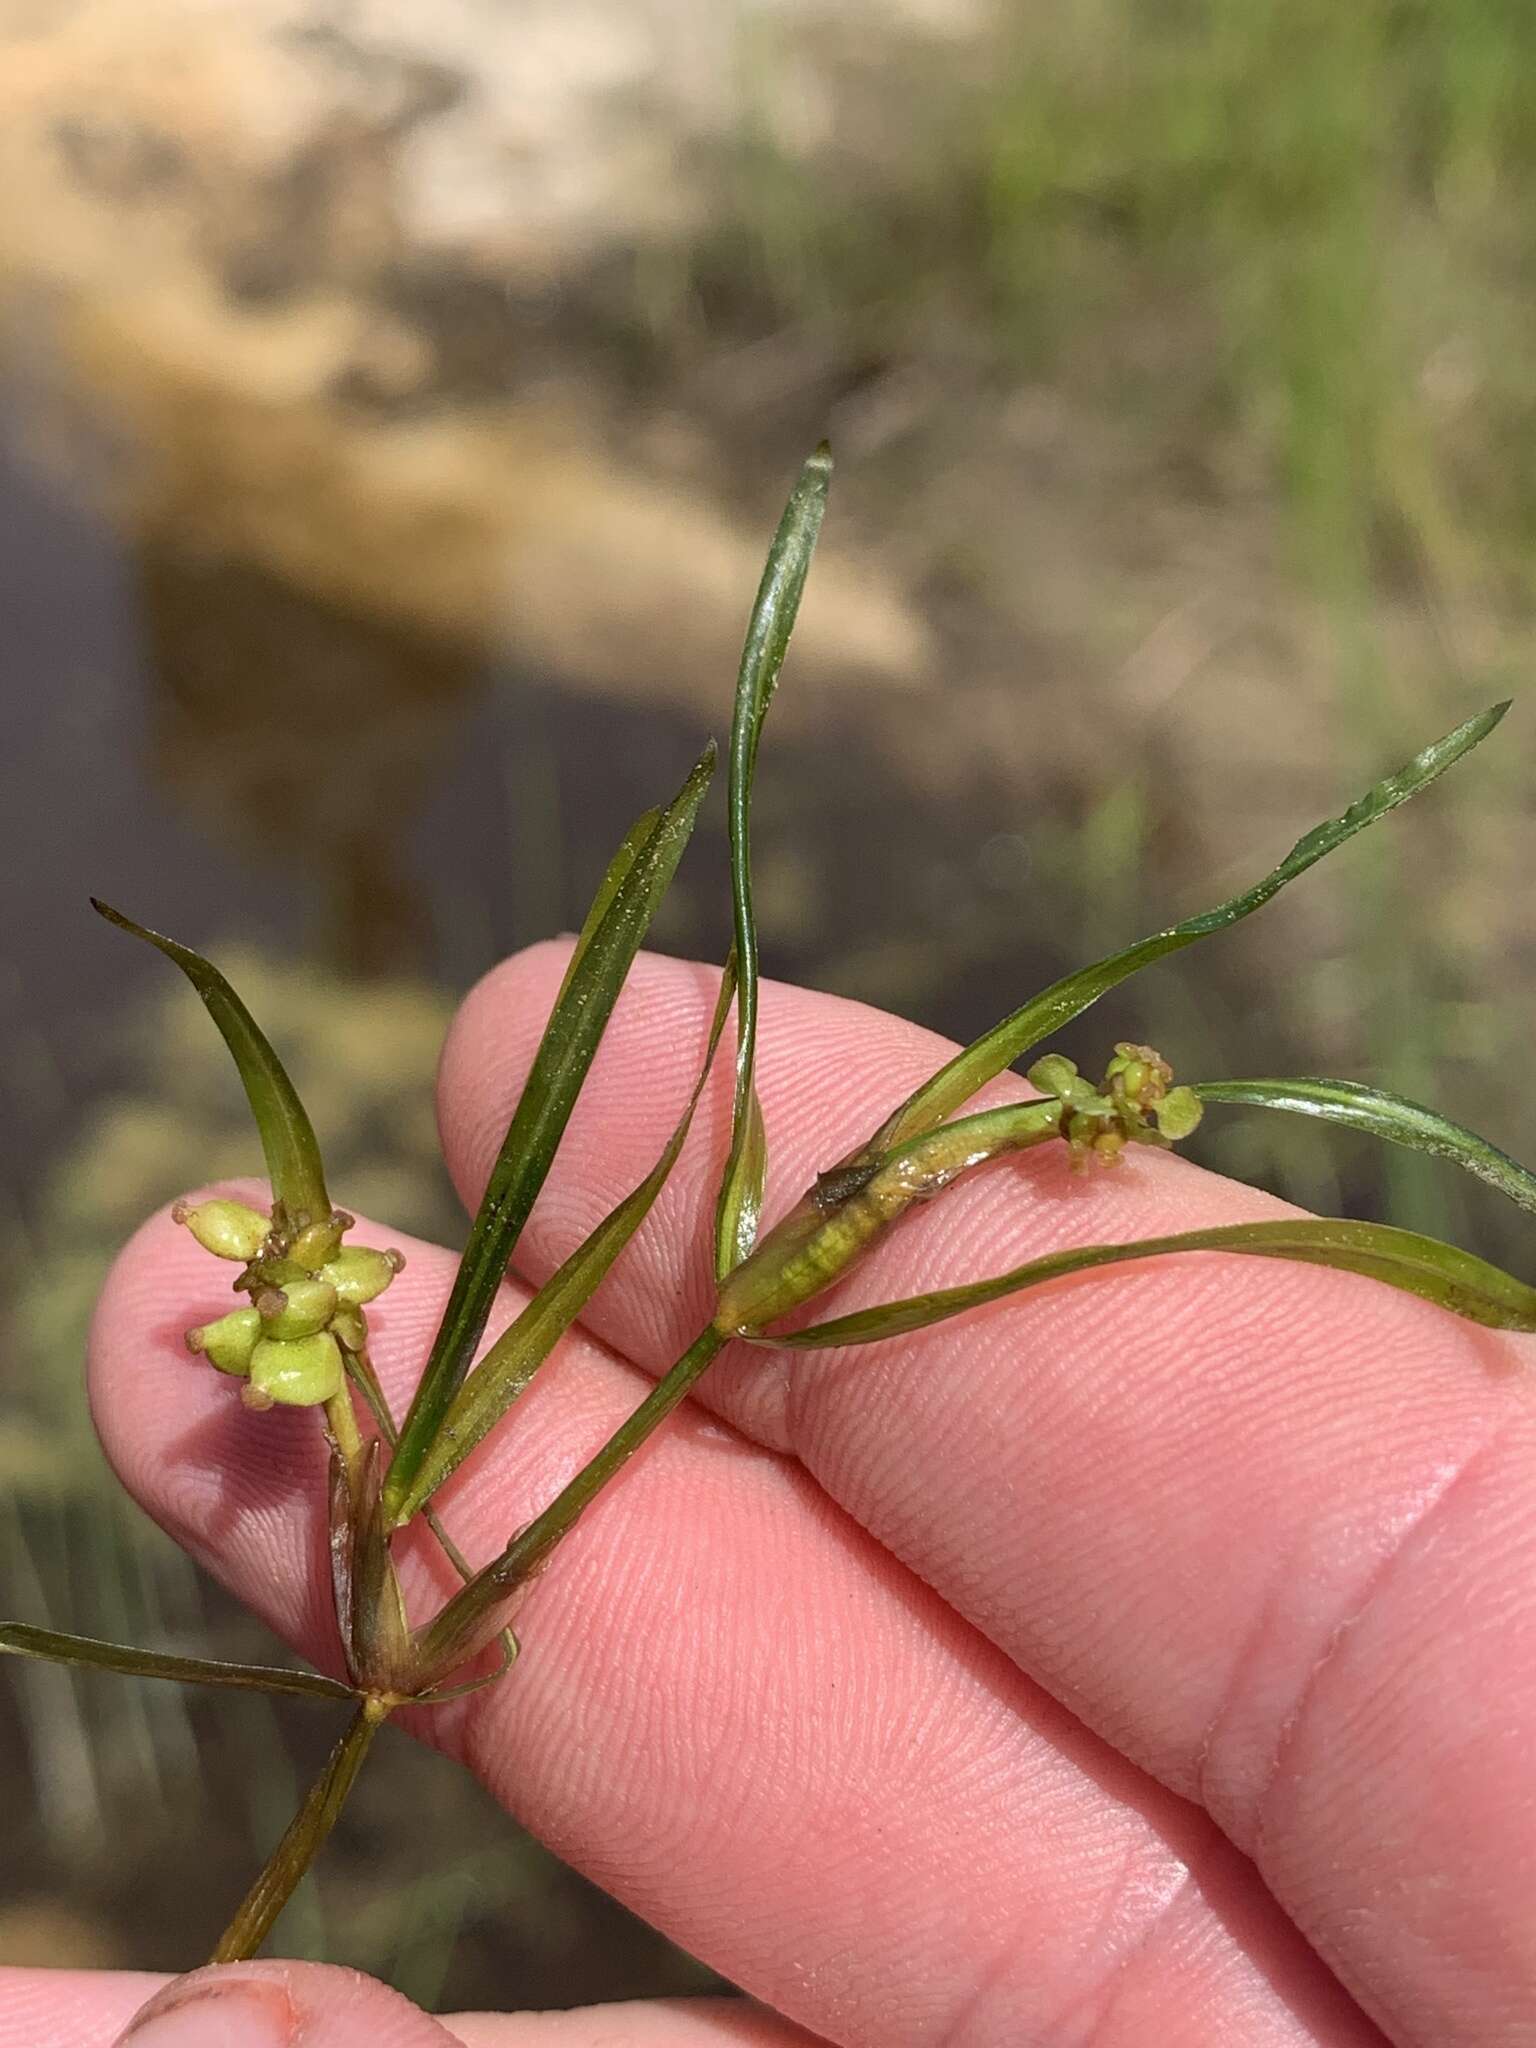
[395, 400]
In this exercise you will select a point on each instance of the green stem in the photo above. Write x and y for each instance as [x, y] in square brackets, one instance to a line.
[367, 1381]
[464, 1624]
[341, 1421]
[306, 1833]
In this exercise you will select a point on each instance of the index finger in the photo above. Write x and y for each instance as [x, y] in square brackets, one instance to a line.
[1265, 1527]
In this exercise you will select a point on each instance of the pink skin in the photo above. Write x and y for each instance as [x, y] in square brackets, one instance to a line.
[1153, 1659]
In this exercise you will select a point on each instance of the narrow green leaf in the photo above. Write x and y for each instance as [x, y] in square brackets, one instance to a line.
[475, 1613]
[1441, 1273]
[287, 1136]
[1381, 1114]
[623, 860]
[360, 1371]
[305, 1836]
[1058, 1005]
[19, 1640]
[768, 633]
[510, 1364]
[571, 1038]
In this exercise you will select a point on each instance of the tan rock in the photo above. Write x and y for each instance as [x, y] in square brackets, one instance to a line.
[208, 220]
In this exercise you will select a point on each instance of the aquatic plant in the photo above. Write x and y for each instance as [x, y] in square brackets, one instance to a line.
[300, 1334]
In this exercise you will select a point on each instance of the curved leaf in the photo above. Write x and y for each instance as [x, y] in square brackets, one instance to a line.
[1381, 1114]
[510, 1364]
[287, 1136]
[571, 1038]
[1008, 1041]
[768, 632]
[1441, 1273]
[18, 1639]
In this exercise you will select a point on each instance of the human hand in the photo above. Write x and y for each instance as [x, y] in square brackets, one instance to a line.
[1152, 1659]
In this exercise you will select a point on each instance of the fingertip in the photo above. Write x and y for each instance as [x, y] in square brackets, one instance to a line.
[280, 2005]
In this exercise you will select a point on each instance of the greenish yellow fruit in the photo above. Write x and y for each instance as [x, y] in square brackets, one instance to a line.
[300, 1372]
[1179, 1112]
[296, 1309]
[359, 1274]
[350, 1326]
[317, 1243]
[1054, 1075]
[229, 1342]
[227, 1229]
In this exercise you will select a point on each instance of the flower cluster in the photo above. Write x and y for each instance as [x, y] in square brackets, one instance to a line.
[1135, 1104]
[307, 1291]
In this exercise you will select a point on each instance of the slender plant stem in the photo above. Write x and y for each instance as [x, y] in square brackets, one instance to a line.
[367, 1381]
[301, 1843]
[461, 1629]
[341, 1421]
[530, 1549]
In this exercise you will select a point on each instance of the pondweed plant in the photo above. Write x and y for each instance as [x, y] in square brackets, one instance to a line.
[300, 1334]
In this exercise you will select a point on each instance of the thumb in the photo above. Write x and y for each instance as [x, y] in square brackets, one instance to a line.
[305, 2005]
[280, 2005]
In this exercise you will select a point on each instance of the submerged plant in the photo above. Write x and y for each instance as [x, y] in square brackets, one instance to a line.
[300, 1334]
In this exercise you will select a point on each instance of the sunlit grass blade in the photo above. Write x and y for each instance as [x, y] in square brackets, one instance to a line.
[287, 1136]
[1381, 1114]
[1058, 1005]
[571, 1038]
[1441, 1273]
[510, 1364]
[768, 634]
[18, 1639]
[301, 1843]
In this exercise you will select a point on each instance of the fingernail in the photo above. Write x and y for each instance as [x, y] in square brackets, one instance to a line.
[242, 2015]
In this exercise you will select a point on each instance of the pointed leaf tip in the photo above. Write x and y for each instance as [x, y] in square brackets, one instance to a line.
[767, 640]
[1056, 1006]
[288, 1139]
